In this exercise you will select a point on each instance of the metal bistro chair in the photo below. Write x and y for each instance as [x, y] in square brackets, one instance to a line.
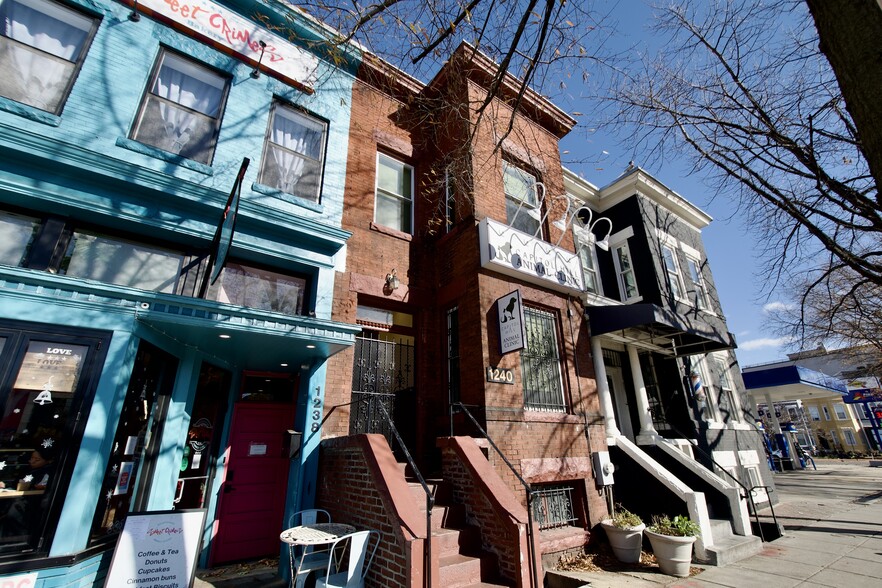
[361, 550]
[311, 560]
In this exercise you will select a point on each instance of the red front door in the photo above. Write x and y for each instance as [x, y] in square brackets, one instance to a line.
[252, 499]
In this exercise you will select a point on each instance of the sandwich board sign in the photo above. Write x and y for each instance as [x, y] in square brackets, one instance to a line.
[510, 313]
[157, 550]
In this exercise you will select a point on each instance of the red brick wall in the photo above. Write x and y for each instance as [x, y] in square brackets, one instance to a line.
[359, 483]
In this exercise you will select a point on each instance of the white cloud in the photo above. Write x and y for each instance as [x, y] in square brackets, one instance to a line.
[776, 306]
[763, 343]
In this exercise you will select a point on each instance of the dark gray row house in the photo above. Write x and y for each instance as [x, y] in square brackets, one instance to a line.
[679, 424]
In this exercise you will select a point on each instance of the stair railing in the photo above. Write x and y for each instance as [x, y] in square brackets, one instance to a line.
[430, 500]
[747, 493]
[531, 539]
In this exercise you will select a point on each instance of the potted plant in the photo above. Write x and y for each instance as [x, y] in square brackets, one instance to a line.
[671, 541]
[625, 533]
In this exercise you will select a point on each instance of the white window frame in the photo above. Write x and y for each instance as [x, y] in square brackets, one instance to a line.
[826, 412]
[675, 278]
[588, 259]
[699, 364]
[844, 415]
[53, 11]
[726, 385]
[696, 280]
[620, 272]
[268, 165]
[403, 201]
[814, 413]
[526, 209]
[196, 71]
[848, 436]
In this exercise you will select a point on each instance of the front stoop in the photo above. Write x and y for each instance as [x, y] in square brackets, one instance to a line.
[729, 548]
[461, 562]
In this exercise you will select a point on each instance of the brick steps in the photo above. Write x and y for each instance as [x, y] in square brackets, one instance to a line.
[461, 562]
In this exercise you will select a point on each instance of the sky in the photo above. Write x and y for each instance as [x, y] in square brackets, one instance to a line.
[731, 248]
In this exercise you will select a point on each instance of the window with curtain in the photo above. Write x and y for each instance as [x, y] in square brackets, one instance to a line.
[292, 159]
[257, 288]
[181, 110]
[42, 46]
[522, 206]
[394, 193]
[540, 362]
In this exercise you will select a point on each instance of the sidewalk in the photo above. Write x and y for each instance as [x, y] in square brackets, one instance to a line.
[828, 542]
[833, 538]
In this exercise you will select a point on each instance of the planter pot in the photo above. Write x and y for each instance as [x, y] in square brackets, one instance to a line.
[626, 543]
[674, 554]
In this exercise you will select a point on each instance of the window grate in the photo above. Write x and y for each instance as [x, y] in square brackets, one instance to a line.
[540, 362]
[553, 507]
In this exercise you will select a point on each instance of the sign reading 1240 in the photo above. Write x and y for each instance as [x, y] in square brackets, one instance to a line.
[500, 375]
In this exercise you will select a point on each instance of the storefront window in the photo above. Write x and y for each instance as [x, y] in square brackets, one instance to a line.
[200, 446]
[136, 440]
[540, 362]
[41, 394]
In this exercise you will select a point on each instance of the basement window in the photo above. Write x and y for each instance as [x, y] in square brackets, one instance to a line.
[553, 506]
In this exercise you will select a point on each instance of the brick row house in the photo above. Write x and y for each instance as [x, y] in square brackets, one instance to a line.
[462, 218]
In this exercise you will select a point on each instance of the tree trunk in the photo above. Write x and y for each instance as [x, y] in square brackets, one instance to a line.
[850, 34]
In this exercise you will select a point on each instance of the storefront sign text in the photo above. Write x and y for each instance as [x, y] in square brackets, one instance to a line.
[510, 313]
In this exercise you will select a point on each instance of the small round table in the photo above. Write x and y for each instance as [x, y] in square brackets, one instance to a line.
[308, 536]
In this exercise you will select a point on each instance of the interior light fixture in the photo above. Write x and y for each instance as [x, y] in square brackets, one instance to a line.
[255, 73]
[392, 281]
[224, 336]
[283, 365]
[310, 346]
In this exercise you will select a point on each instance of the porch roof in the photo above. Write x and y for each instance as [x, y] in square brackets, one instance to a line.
[652, 327]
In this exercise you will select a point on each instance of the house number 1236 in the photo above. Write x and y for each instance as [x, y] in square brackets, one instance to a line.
[500, 375]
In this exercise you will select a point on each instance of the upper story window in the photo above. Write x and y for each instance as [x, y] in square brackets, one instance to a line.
[256, 288]
[42, 47]
[839, 409]
[540, 362]
[699, 291]
[625, 272]
[826, 413]
[588, 257]
[181, 109]
[125, 263]
[394, 202]
[16, 235]
[292, 157]
[522, 206]
[815, 414]
[672, 268]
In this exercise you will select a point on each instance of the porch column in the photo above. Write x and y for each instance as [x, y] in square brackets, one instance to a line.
[643, 413]
[606, 404]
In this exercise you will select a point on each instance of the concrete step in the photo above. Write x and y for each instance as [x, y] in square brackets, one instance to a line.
[720, 529]
[458, 570]
[732, 549]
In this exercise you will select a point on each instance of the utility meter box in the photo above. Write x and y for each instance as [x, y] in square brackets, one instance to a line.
[603, 468]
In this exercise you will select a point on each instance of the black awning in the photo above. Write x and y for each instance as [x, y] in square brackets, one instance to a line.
[657, 327]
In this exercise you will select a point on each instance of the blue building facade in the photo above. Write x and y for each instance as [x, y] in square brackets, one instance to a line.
[124, 387]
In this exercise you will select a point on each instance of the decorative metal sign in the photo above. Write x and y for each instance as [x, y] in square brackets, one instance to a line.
[227, 30]
[510, 313]
[500, 375]
[519, 255]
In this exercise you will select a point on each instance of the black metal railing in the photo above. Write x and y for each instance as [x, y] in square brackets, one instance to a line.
[531, 539]
[747, 493]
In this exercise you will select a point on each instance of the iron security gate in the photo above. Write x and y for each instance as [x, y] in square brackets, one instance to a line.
[382, 372]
